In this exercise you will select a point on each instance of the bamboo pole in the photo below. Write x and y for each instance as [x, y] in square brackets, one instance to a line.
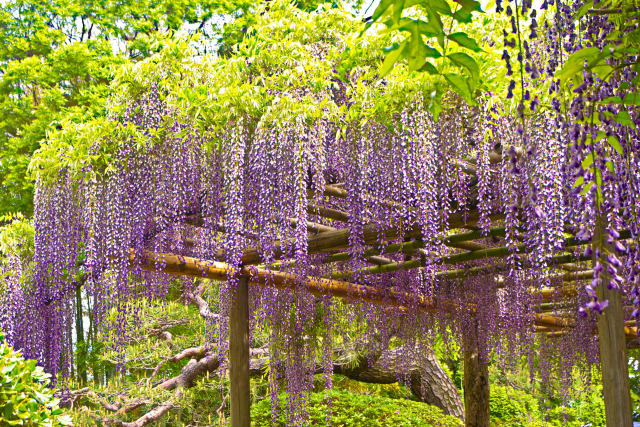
[476, 234]
[630, 333]
[462, 257]
[329, 213]
[374, 259]
[339, 239]
[188, 266]
[406, 247]
[351, 292]
[410, 246]
[569, 277]
[467, 246]
[489, 269]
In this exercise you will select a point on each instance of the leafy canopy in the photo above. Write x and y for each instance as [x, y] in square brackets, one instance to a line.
[288, 67]
[25, 396]
[57, 60]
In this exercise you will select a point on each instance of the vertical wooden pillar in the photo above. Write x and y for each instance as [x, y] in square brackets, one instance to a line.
[613, 346]
[80, 343]
[613, 360]
[476, 384]
[239, 355]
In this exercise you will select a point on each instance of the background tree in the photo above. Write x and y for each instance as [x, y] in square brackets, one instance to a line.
[58, 58]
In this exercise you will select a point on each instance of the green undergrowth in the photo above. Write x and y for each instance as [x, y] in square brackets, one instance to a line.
[354, 409]
[514, 400]
[517, 408]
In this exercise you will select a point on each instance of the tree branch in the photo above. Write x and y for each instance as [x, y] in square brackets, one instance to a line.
[193, 352]
[427, 379]
[203, 306]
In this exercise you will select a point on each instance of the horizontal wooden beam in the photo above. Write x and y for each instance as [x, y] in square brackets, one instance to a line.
[405, 247]
[630, 333]
[498, 252]
[194, 267]
[489, 269]
[329, 213]
[411, 246]
[467, 246]
[371, 233]
[351, 292]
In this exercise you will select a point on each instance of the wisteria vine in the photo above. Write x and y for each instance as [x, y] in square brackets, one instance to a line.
[260, 181]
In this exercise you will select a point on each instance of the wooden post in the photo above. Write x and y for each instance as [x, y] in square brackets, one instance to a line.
[476, 383]
[239, 355]
[613, 346]
[80, 343]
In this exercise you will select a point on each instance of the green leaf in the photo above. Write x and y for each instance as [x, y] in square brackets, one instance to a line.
[588, 161]
[429, 68]
[609, 166]
[398, 6]
[460, 86]
[463, 15]
[440, 6]
[391, 58]
[602, 70]
[584, 9]
[383, 6]
[632, 98]
[465, 61]
[578, 182]
[624, 118]
[418, 27]
[615, 144]
[435, 21]
[587, 187]
[612, 100]
[465, 41]
[575, 63]
[418, 52]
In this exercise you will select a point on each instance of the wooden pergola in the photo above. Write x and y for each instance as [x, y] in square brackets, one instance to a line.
[466, 243]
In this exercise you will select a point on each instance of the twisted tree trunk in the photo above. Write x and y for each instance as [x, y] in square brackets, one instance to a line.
[427, 380]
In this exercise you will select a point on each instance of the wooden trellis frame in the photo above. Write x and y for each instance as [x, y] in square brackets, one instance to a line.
[330, 241]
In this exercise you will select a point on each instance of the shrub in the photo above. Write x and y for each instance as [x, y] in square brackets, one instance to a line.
[587, 410]
[512, 407]
[25, 398]
[352, 409]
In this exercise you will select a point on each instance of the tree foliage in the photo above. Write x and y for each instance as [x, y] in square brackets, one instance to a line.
[25, 395]
[437, 42]
[58, 58]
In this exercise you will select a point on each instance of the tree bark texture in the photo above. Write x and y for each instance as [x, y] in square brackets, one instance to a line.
[476, 384]
[428, 381]
[239, 355]
[612, 342]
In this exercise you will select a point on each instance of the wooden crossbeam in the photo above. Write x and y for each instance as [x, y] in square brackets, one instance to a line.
[411, 246]
[563, 277]
[457, 258]
[339, 239]
[351, 292]
[329, 213]
[630, 333]
[467, 246]
[194, 267]
[374, 259]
